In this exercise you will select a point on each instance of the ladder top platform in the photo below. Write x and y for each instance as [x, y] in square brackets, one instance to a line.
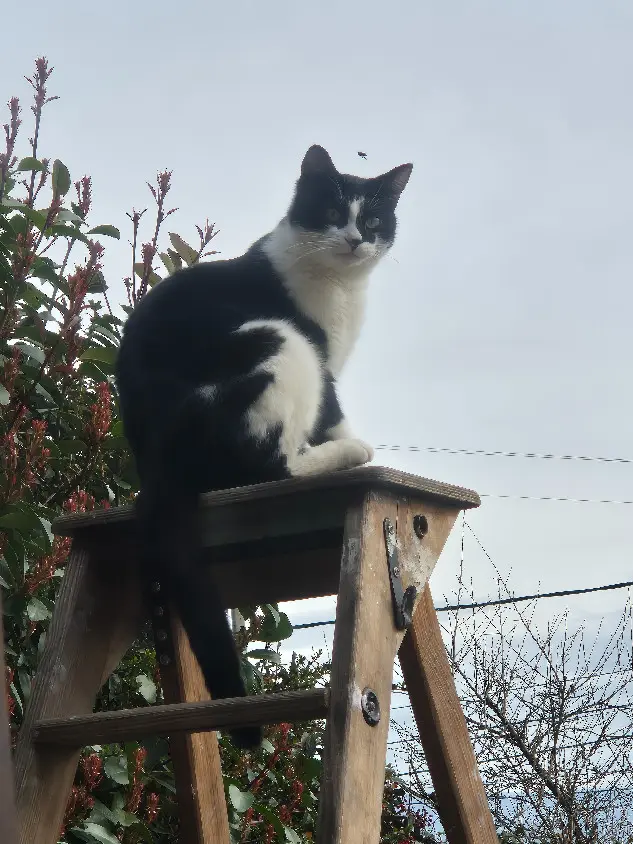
[350, 481]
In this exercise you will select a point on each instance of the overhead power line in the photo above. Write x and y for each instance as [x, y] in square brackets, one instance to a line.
[557, 498]
[499, 601]
[482, 452]
[562, 593]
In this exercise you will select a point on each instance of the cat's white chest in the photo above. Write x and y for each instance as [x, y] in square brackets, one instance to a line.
[333, 298]
[340, 311]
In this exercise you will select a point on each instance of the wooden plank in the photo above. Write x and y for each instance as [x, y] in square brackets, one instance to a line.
[88, 635]
[125, 724]
[350, 481]
[195, 757]
[290, 576]
[365, 645]
[8, 819]
[463, 807]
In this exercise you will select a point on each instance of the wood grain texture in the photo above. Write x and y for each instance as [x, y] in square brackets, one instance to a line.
[463, 807]
[365, 645]
[195, 757]
[351, 480]
[8, 818]
[87, 636]
[126, 724]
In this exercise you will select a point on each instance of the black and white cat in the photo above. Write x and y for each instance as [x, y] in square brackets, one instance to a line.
[227, 376]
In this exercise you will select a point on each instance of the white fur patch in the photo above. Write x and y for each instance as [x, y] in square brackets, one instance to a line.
[294, 397]
[341, 431]
[208, 392]
[330, 457]
[351, 230]
[327, 283]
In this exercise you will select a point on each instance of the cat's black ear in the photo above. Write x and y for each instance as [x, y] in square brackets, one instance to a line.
[396, 180]
[317, 160]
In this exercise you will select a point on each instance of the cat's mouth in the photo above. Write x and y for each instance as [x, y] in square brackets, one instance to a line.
[350, 256]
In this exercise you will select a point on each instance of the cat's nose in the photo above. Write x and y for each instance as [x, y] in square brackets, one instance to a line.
[354, 242]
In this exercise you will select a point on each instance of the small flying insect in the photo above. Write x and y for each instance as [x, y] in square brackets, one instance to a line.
[363, 154]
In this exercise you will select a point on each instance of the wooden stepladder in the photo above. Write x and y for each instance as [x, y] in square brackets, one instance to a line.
[371, 536]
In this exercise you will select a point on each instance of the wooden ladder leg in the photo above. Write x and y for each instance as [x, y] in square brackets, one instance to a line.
[463, 806]
[8, 821]
[96, 618]
[195, 756]
[365, 645]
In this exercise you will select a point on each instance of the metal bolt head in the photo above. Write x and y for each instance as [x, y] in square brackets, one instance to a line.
[396, 571]
[370, 706]
[420, 526]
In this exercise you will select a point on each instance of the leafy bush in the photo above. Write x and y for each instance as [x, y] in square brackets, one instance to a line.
[63, 450]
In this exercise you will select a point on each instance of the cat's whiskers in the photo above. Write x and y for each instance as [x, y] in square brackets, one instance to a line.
[309, 253]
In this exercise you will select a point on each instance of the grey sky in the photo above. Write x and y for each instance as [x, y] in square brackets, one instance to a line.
[503, 319]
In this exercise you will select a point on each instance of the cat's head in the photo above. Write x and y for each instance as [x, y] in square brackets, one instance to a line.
[342, 220]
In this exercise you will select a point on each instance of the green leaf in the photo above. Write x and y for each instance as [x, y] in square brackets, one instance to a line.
[116, 768]
[61, 178]
[146, 687]
[175, 257]
[121, 483]
[125, 819]
[5, 398]
[106, 333]
[253, 679]
[41, 391]
[29, 163]
[32, 351]
[37, 611]
[67, 231]
[71, 446]
[270, 609]
[92, 832]
[268, 746]
[154, 278]
[271, 632]
[186, 252]
[66, 216]
[241, 800]
[88, 369]
[265, 654]
[109, 231]
[36, 217]
[101, 353]
[101, 811]
[44, 268]
[292, 836]
[22, 520]
[169, 264]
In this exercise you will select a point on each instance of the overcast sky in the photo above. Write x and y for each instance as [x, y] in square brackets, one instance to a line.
[502, 320]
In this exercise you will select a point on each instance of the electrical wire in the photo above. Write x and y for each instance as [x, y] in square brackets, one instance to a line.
[481, 452]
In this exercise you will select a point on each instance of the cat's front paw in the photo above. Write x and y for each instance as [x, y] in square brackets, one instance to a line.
[369, 449]
[356, 452]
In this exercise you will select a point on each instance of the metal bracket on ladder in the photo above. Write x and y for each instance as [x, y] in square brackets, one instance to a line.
[403, 599]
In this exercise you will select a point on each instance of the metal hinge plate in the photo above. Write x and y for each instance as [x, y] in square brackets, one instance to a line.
[403, 599]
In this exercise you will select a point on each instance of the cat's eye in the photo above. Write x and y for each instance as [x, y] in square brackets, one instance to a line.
[333, 216]
[372, 223]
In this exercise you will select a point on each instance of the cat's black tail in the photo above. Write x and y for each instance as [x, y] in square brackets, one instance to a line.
[171, 554]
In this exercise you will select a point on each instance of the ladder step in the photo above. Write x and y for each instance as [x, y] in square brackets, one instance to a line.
[127, 724]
